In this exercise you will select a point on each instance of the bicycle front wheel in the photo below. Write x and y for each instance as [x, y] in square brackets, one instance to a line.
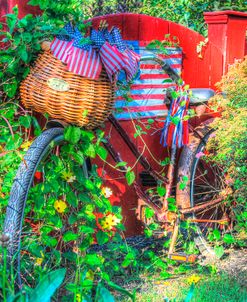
[37, 214]
[203, 193]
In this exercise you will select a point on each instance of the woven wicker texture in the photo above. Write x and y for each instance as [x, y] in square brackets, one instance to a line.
[86, 102]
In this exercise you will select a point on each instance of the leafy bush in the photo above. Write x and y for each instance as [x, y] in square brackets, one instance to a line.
[231, 139]
[186, 12]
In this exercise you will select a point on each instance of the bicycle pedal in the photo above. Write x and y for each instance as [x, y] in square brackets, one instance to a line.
[181, 257]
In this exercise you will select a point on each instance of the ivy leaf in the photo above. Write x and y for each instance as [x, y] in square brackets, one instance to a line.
[175, 120]
[148, 233]
[90, 151]
[219, 251]
[102, 152]
[161, 191]
[121, 164]
[216, 234]
[11, 21]
[102, 237]
[10, 89]
[149, 213]
[86, 229]
[70, 236]
[25, 121]
[93, 260]
[23, 53]
[228, 238]
[72, 134]
[130, 177]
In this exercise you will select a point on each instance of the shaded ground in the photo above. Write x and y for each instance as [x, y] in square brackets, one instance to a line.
[235, 264]
[229, 283]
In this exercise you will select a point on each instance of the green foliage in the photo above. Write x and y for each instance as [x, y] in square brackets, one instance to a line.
[231, 143]
[71, 210]
[186, 12]
[47, 286]
[21, 39]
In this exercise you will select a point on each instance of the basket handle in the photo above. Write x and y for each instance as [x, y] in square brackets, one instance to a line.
[165, 66]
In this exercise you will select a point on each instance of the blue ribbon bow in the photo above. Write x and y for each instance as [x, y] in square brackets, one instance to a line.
[114, 38]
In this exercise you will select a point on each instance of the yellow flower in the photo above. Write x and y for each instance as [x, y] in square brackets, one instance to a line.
[78, 297]
[60, 206]
[68, 176]
[39, 261]
[110, 221]
[193, 279]
[107, 192]
[90, 275]
[26, 145]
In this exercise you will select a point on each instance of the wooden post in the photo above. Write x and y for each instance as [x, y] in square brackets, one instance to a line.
[227, 30]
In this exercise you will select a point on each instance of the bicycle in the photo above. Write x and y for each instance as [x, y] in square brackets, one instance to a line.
[199, 201]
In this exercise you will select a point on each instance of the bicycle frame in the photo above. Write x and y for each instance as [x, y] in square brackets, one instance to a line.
[167, 181]
[162, 213]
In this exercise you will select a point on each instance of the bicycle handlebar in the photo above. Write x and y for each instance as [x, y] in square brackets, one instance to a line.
[165, 66]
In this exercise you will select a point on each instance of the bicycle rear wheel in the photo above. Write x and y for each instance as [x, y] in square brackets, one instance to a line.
[36, 219]
[204, 183]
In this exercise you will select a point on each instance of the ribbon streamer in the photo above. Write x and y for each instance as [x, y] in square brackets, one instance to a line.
[86, 59]
[176, 131]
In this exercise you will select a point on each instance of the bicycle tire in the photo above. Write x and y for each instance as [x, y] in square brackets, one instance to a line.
[25, 174]
[186, 195]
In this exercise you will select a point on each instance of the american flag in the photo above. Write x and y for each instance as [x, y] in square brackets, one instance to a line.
[61, 46]
[85, 63]
[80, 58]
[148, 90]
[112, 58]
[61, 49]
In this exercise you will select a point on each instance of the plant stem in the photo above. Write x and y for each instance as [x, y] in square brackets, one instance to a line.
[4, 273]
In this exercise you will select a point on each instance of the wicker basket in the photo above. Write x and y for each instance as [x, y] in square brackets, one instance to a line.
[51, 88]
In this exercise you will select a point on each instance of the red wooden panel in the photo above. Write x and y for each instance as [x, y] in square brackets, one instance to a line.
[24, 8]
[151, 28]
[112, 20]
[130, 27]
[191, 63]
[236, 39]
[216, 65]
[3, 8]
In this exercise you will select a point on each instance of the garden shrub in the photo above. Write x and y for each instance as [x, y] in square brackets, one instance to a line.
[231, 139]
[186, 12]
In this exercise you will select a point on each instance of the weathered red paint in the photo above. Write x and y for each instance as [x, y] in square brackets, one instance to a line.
[227, 30]
[196, 72]
[7, 5]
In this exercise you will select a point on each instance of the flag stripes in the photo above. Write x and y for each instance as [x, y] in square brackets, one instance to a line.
[148, 90]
